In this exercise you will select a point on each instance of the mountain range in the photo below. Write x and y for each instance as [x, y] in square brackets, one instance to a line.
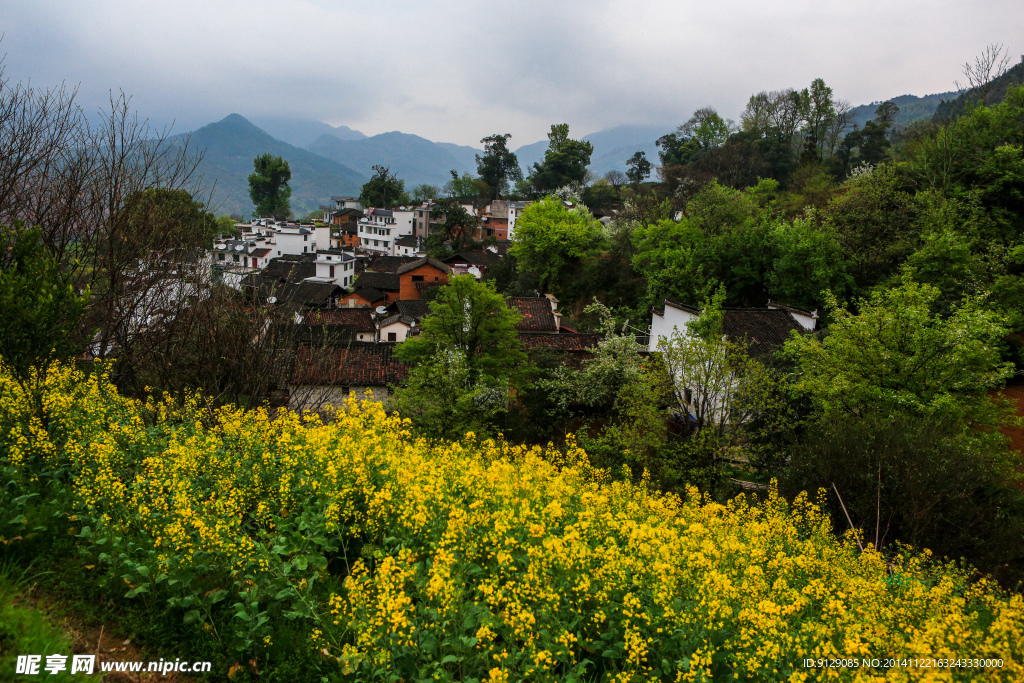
[331, 160]
[231, 144]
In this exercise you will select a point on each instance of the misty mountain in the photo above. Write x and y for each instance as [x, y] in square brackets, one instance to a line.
[302, 132]
[414, 159]
[232, 143]
[612, 147]
[912, 108]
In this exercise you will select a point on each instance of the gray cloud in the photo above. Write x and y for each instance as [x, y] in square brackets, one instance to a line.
[458, 70]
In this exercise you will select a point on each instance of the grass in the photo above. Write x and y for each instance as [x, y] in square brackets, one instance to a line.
[25, 629]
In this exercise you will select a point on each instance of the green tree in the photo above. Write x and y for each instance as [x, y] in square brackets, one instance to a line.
[159, 218]
[897, 356]
[565, 161]
[639, 168]
[268, 186]
[384, 189]
[549, 236]
[225, 225]
[38, 304]
[471, 319]
[424, 192]
[498, 167]
[807, 261]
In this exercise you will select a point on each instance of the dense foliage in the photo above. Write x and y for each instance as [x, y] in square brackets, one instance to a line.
[353, 550]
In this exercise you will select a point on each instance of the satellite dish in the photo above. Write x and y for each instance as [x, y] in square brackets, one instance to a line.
[271, 299]
[240, 247]
[381, 310]
[493, 250]
[222, 246]
[474, 271]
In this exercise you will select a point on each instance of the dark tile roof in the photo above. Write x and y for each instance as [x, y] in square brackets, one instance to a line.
[289, 270]
[475, 258]
[390, 264]
[764, 329]
[361, 319]
[396, 318]
[403, 264]
[363, 364]
[308, 293]
[793, 309]
[387, 282]
[317, 336]
[536, 312]
[412, 308]
[573, 342]
[369, 294]
[407, 241]
[260, 253]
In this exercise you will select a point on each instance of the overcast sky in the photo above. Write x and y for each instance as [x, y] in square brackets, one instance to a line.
[457, 70]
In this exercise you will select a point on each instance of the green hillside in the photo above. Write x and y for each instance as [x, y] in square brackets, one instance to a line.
[232, 143]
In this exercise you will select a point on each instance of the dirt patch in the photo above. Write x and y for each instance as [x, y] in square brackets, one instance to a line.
[96, 639]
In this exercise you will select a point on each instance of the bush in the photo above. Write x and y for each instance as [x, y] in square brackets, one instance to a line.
[389, 557]
[922, 482]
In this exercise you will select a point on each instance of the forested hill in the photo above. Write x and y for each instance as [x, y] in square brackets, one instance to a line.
[412, 158]
[231, 144]
[993, 93]
[912, 108]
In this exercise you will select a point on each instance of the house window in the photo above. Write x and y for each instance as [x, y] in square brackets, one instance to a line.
[392, 336]
[332, 271]
[234, 257]
[305, 238]
[220, 257]
[417, 278]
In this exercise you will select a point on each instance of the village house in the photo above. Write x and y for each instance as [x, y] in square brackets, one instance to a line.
[338, 267]
[475, 263]
[358, 321]
[539, 314]
[323, 377]
[379, 229]
[762, 329]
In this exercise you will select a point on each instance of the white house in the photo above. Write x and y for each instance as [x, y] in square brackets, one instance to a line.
[379, 229]
[395, 328]
[335, 266]
[293, 239]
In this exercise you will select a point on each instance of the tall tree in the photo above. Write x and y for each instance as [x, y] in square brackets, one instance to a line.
[639, 168]
[471, 319]
[268, 186]
[39, 305]
[384, 189]
[549, 235]
[565, 161]
[498, 167]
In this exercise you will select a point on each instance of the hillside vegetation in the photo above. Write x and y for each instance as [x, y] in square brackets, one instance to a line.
[352, 551]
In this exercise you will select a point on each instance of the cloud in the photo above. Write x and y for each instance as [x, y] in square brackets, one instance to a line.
[456, 70]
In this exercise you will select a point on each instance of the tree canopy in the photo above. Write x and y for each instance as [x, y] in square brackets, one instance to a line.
[384, 190]
[549, 235]
[498, 167]
[565, 161]
[268, 186]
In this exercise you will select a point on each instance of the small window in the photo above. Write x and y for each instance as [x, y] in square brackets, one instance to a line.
[392, 336]
[305, 238]
[332, 271]
[417, 278]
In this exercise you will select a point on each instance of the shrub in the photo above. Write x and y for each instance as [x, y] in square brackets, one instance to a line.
[467, 560]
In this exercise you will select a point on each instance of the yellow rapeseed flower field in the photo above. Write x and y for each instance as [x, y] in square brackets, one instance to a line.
[478, 560]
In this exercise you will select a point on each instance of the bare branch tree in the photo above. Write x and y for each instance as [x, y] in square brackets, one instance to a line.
[982, 74]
